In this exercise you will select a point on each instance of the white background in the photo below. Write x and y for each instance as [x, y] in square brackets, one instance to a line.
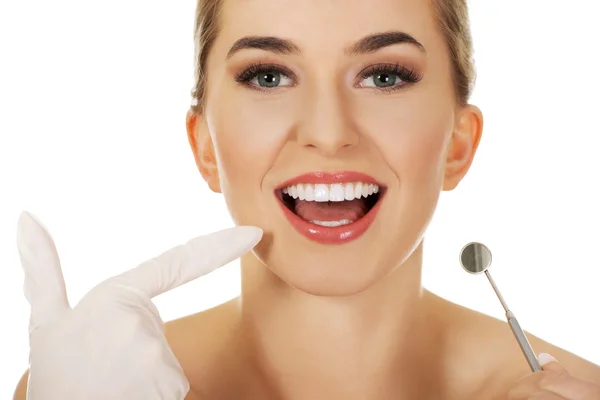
[93, 98]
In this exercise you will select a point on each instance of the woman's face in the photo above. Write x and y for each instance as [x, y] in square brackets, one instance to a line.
[358, 89]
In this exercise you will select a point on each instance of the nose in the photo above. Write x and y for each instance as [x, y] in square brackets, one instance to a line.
[327, 124]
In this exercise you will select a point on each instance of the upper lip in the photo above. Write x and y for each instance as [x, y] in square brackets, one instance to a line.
[330, 178]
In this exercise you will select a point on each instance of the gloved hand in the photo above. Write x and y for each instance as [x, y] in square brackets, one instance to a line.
[111, 345]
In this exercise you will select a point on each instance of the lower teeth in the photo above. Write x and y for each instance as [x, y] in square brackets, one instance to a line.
[332, 223]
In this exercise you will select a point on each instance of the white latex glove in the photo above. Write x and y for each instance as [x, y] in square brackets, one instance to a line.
[111, 345]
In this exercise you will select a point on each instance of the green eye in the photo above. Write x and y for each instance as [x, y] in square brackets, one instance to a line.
[268, 79]
[388, 76]
[265, 76]
[384, 80]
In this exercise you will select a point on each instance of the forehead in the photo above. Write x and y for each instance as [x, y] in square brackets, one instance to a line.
[327, 24]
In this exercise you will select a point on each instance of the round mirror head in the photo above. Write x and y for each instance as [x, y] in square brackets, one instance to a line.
[475, 258]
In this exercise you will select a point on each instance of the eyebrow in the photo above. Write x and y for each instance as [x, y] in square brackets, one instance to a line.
[368, 44]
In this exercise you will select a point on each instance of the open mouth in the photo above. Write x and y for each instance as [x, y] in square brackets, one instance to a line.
[339, 208]
[331, 205]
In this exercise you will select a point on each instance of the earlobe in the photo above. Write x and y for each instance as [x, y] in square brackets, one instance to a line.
[203, 149]
[463, 145]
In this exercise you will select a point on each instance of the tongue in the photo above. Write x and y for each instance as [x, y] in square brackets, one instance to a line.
[331, 210]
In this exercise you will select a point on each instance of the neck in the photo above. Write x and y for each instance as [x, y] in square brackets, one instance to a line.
[370, 345]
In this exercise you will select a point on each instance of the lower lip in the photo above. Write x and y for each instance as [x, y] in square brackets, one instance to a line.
[332, 234]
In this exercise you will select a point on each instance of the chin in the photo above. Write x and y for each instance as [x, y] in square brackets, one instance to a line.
[333, 271]
[368, 235]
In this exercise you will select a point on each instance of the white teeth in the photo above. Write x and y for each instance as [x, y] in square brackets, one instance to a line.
[309, 194]
[334, 192]
[349, 192]
[358, 191]
[365, 190]
[321, 193]
[301, 193]
[332, 223]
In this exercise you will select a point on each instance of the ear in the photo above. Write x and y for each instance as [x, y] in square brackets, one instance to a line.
[203, 149]
[463, 145]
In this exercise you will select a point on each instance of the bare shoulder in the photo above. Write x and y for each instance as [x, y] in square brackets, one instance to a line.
[21, 390]
[198, 342]
[204, 340]
[492, 359]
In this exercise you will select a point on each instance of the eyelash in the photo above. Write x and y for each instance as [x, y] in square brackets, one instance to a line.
[408, 76]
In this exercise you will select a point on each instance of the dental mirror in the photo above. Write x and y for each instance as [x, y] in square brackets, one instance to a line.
[476, 258]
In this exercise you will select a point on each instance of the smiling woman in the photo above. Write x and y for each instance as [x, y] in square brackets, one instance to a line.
[336, 141]
[351, 129]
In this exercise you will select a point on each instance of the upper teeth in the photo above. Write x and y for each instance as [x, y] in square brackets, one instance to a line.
[334, 192]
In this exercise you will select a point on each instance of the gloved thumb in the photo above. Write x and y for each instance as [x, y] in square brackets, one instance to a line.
[44, 285]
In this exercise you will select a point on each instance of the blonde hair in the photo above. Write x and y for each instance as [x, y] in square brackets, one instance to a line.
[450, 15]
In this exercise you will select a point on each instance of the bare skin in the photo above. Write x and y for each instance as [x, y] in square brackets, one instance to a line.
[351, 321]
[474, 356]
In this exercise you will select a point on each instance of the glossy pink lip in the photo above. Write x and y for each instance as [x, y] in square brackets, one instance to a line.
[331, 177]
[325, 234]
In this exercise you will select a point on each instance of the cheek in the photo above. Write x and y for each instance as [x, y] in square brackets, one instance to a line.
[248, 136]
[412, 139]
[419, 160]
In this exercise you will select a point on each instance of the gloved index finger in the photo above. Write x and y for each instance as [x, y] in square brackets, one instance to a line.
[44, 285]
[191, 260]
